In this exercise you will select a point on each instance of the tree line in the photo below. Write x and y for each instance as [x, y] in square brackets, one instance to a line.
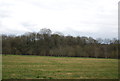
[46, 43]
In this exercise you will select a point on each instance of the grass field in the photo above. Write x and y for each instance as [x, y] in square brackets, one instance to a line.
[44, 67]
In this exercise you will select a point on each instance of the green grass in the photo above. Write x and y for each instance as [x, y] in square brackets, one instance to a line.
[44, 67]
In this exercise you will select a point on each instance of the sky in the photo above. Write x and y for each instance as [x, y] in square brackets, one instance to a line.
[91, 18]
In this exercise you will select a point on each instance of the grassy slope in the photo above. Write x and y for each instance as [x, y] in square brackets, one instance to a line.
[43, 67]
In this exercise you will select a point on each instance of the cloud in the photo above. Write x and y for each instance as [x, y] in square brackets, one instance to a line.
[97, 18]
[27, 24]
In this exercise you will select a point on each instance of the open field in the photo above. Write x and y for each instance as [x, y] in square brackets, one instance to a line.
[44, 67]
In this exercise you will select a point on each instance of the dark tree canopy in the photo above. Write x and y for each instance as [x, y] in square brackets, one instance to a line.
[44, 43]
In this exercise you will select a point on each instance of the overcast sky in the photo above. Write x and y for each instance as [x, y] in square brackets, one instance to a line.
[95, 18]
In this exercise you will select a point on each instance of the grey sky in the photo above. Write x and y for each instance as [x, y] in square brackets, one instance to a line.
[95, 18]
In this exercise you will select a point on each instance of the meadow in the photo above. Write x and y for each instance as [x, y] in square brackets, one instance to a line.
[45, 67]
